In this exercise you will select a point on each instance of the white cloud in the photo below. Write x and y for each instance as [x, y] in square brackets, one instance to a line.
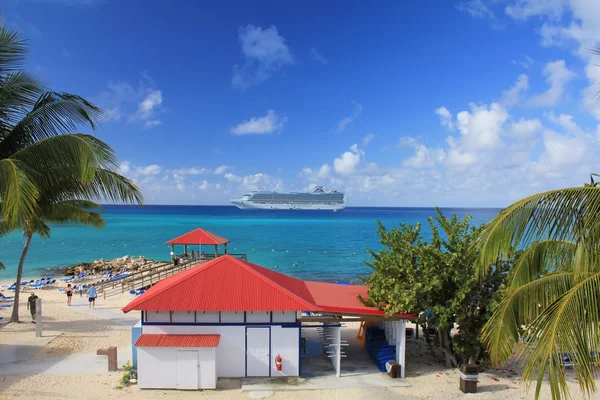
[149, 104]
[481, 127]
[346, 164]
[557, 75]
[523, 9]
[424, 157]
[203, 185]
[270, 123]
[567, 122]
[368, 139]
[141, 104]
[563, 150]
[316, 56]
[265, 52]
[525, 128]
[513, 95]
[445, 117]
[191, 171]
[526, 62]
[344, 122]
[476, 8]
[151, 169]
[323, 171]
[220, 170]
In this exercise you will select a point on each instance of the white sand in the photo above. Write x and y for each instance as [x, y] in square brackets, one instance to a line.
[80, 332]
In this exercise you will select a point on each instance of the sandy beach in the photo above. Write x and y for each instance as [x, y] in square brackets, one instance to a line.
[64, 363]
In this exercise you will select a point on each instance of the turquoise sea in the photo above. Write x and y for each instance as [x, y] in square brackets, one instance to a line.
[316, 245]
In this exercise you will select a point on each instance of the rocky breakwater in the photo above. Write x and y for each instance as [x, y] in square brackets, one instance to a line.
[116, 266]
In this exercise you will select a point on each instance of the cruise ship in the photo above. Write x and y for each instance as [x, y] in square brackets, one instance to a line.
[317, 199]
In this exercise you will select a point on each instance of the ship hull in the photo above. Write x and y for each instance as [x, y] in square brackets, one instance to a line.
[287, 206]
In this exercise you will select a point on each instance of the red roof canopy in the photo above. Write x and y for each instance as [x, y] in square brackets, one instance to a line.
[230, 284]
[153, 340]
[199, 236]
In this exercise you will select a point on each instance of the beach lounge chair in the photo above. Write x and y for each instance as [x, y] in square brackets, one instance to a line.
[69, 279]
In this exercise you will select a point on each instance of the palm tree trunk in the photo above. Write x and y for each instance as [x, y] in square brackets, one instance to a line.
[15, 311]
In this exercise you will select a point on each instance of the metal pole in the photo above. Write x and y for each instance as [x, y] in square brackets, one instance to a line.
[38, 318]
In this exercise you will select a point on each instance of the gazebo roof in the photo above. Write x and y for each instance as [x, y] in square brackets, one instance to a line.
[199, 236]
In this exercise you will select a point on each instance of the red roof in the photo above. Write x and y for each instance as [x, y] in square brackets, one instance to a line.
[230, 284]
[150, 340]
[199, 236]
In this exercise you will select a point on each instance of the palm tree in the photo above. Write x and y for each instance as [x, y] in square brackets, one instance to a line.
[552, 304]
[40, 164]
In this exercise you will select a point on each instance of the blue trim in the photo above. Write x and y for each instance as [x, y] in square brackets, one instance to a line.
[251, 324]
[300, 351]
[219, 317]
[271, 317]
[244, 316]
[171, 317]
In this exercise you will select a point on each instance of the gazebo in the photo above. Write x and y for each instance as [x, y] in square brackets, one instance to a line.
[199, 237]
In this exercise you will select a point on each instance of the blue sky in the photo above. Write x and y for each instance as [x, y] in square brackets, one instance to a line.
[465, 103]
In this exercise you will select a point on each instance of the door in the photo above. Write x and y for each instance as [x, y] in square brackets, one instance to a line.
[257, 351]
[187, 369]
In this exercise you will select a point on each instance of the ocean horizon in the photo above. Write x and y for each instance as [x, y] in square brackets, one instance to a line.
[314, 245]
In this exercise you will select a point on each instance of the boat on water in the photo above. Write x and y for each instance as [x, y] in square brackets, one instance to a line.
[317, 199]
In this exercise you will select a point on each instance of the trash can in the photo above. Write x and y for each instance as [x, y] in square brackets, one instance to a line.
[393, 369]
[469, 376]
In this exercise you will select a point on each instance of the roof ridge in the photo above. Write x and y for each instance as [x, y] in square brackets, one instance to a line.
[273, 284]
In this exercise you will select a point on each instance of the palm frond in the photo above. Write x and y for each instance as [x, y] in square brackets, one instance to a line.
[2, 267]
[74, 156]
[570, 325]
[69, 213]
[18, 193]
[542, 258]
[53, 114]
[557, 214]
[19, 91]
[520, 306]
[13, 49]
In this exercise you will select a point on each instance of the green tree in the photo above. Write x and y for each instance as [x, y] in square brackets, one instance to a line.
[551, 307]
[437, 280]
[42, 163]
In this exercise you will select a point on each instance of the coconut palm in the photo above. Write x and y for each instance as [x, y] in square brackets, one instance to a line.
[552, 304]
[42, 163]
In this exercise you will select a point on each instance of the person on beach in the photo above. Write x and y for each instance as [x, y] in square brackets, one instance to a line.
[193, 255]
[92, 296]
[31, 306]
[69, 292]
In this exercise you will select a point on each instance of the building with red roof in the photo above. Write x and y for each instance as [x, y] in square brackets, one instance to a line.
[234, 318]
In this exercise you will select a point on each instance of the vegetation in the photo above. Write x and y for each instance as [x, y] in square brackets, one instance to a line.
[551, 306]
[436, 279]
[48, 174]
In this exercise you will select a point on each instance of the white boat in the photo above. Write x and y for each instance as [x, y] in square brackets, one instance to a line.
[317, 199]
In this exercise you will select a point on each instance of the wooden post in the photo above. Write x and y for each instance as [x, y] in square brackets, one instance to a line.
[172, 249]
[185, 249]
[38, 317]
[216, 251]
[104, 293]
[225, 247]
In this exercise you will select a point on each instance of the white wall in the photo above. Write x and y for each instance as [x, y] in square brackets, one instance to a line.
[183, 316]
[232, 317]
[158, 368]
[284, 316]
[285, 342]
[207, 316]
[231, 353]
[158, 316]
[258, 316]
